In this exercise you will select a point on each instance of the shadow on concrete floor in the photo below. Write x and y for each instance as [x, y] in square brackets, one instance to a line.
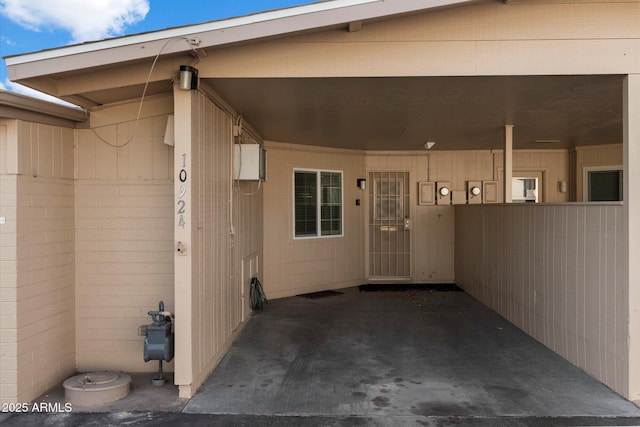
[418, 358]
[403, 354]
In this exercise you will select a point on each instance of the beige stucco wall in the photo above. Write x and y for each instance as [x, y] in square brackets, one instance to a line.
[37, 294]
[124, 234]
[555, 271]
[299, 266]
[554, 165]
[296, 266]
[432, 226]
[221, 233]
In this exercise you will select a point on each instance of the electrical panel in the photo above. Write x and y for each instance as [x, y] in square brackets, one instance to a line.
[426, 193]
[249, 162]
[490, 191]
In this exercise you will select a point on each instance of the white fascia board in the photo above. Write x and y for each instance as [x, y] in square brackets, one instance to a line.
[27, 103]
[210, 34]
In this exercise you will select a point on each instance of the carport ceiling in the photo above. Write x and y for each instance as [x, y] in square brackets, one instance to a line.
[402, 113]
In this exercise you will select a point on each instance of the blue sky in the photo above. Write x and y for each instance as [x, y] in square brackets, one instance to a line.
[32, 25]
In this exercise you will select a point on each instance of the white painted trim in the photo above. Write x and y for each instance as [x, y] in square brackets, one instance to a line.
[27, 103]
[183, 31]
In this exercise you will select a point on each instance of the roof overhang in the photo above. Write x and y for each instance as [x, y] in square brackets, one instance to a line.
[559, 102]
[211, 34]
[16, 106]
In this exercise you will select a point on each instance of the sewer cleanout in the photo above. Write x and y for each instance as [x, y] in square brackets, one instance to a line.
[94, 388]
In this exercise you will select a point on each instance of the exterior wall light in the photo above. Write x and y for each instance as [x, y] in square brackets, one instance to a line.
[444, 191]
[188, 77]
[475, 191]
[562, 186]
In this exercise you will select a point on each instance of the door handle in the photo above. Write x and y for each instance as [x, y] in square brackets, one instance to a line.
[407, 224]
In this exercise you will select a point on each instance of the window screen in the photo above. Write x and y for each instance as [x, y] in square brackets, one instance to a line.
[605, 185]
[318, 203]
[306, 203]
[331, 203]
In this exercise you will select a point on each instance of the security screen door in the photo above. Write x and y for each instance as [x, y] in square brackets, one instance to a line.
[389, 225]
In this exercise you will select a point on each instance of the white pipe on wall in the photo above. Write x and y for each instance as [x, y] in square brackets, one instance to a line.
[508, 163]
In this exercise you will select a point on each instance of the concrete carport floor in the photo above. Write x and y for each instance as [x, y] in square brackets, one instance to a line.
[410, 358]
[390, 355]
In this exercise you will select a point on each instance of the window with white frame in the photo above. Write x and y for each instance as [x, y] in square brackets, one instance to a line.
[602, 183]
[317, 196]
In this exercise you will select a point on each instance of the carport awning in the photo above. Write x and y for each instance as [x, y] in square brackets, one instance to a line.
[402, 113]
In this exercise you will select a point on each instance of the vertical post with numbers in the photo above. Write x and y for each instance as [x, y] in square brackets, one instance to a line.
[185, 103]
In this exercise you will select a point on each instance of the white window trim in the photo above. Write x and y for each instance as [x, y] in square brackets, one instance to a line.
[318, 198]
[585, 177]
[523, 198]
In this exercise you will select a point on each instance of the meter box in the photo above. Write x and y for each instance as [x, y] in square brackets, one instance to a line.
[249, 162]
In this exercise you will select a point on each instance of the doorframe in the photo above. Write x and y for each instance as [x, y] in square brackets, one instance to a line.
[412, 213]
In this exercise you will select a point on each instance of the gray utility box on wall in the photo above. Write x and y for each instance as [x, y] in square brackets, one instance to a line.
[159, 341]
[158, 344]
[159, 338]
[249, 162]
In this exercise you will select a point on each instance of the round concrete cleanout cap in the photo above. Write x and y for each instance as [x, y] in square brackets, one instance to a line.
[95, 388]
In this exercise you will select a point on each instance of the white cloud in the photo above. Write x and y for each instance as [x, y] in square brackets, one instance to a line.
[85, 20]
[23, 90]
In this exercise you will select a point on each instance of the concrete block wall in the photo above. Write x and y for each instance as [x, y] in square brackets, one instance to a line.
[37, 298]
[45, 288]
[124, 240]
[8, 284]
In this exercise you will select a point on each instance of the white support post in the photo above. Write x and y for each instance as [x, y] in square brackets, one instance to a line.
[183, 367]
[508, 163]
[631, 195]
